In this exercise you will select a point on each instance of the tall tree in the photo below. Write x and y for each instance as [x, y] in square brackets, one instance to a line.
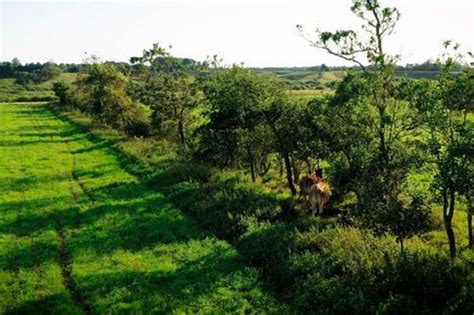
[451, 139]
[372, 120]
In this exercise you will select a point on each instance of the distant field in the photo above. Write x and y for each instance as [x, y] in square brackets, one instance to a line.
[309, 82]
[80, 235]
[306, 80]
[311, 79]
[13, 92]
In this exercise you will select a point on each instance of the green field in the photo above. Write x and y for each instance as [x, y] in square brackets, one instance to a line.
[10, 91]
[78, 234]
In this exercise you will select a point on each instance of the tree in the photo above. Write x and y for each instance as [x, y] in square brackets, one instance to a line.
[283, 115]
[165, 84]
[15, 64]
[235, 97]
[62, 91]
[104, 95]
[48, 72]
[323, 68]
[372, 118]
[451, 139]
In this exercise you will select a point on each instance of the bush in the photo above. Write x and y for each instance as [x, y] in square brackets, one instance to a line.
[63, 92]
[137, 121]
[424, 281]
[346, 270]
[228, 198]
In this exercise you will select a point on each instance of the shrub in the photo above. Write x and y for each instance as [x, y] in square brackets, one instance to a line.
[424, 281]
[269, 247]
[230, 197]
[63, 92]
[137, 121]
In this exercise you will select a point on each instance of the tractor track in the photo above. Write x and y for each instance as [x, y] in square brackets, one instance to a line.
[66, 271]
[64, 255]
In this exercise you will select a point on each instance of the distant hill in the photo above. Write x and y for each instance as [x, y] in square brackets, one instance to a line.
[315, 78]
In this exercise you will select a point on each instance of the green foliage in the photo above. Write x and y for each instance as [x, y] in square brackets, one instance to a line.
[164, 83]
[308, 262]
[194, 129]
[421, 281]
[235, 96]
[47, 72]
[104, 95]
[222, 202]
[445, 107]
[346, 270]
[62, 91]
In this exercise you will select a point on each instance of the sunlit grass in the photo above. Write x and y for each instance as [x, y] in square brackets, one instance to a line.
[131, 249]
[10, 91]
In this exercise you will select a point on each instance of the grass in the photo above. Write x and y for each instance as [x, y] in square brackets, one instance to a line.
[79, 234]
[10, 91]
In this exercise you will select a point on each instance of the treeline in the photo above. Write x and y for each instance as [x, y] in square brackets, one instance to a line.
[375, 136]
[428, 65]
[42, 72]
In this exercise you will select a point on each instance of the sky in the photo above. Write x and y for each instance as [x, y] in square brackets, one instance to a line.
[258, 33]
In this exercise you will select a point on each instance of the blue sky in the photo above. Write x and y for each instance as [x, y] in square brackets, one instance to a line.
[258, 33]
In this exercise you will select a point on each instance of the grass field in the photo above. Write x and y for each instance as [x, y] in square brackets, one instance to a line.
[10, 91]
[78, 234]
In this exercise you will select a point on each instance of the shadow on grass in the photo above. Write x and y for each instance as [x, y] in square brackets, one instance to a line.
[172, 290]
[60, 303]
[129, 216]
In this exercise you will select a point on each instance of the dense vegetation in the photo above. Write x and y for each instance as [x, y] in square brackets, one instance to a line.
[228, 145]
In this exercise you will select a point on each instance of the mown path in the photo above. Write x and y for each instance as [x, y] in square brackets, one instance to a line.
[79, 235]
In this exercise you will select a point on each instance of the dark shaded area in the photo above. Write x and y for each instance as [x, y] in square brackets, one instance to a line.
[57, 302]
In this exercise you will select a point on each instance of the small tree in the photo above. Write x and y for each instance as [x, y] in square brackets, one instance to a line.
[235, 98]
[104, 94]
[451, 138]
[48, 72]
[371, 120]
[168, 87]
[283, 115]
[407, 221]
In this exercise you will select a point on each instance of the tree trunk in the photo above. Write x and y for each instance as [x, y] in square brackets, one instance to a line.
[266, 166]
[252, 163]
[448, 211]
[182, 137]
[402, 248]
[280, 164]
[296, 172]
[289, 177]
[469, 228]
[451, 239]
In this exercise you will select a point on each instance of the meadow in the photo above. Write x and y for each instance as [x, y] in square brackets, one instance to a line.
[170, 185]
[79, 234]
[10, 91]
